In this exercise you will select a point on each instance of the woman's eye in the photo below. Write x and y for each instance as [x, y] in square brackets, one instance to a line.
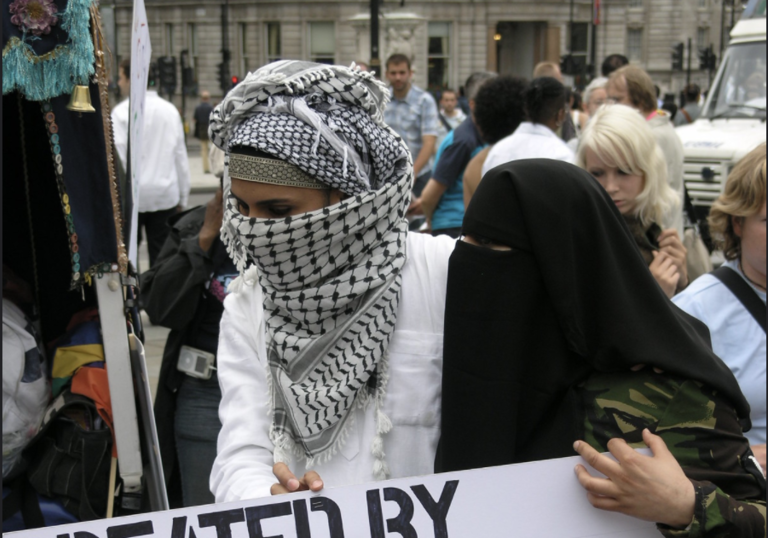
[279, 210]
[242, 208]
[596, 173]
[623, 173]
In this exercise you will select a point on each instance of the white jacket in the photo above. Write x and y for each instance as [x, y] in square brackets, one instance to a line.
[243, 466]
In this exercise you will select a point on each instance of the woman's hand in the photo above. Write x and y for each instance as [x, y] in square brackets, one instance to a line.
[665, 272]
[288, 483]
[650, 488]
[671, 244]
[214, 213]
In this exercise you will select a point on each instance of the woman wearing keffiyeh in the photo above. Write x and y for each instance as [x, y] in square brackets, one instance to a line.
[330, 352]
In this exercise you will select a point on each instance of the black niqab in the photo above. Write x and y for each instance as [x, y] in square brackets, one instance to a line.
[524, 327]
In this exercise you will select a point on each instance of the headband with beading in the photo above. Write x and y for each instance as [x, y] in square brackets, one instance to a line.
[273, 171]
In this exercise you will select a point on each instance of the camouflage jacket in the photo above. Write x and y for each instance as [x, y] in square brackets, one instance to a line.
[701, 429]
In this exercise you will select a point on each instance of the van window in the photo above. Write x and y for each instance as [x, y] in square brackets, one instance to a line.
[740, 88]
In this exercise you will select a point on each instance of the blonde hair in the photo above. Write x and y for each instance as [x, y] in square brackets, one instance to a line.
[620, 137]
[742, 196]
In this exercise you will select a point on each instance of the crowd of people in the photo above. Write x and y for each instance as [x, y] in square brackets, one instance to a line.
[547, 310]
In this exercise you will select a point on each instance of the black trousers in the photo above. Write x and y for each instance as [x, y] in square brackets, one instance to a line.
[155, 223]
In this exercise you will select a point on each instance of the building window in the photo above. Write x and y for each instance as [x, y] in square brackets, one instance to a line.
[703, 3]
[192, 46]
[636, 3]
[273, 42]
[169, 39]
[243, 50]
[702, 38]
[322, 42]
[439, 56]
[635, 43]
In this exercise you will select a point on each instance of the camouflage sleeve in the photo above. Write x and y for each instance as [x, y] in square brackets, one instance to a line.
[718, 515]
[702, 431]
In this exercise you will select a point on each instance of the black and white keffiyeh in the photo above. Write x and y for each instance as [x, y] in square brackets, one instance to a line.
[331, 278]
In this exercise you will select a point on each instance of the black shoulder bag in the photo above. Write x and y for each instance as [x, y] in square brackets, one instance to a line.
[743, 293]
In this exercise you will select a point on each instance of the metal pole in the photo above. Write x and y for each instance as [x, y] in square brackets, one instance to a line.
[225, 55]
[375, 60]
[722, 28]
[688, 71]
[570, 30]
[593, 44]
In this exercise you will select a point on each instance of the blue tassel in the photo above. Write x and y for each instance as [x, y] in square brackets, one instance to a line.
[69, 65]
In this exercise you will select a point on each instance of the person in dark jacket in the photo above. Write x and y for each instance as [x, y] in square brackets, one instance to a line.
[185, 291]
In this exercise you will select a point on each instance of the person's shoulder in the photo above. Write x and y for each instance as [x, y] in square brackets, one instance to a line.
[191, 218]
[422, 96]
[244, 297]
[424, 250]
[705, 290]
[120, 110]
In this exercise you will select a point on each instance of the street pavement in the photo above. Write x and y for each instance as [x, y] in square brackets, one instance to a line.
[202, 188]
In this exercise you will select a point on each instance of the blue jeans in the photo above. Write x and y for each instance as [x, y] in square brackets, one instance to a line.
[197, 427]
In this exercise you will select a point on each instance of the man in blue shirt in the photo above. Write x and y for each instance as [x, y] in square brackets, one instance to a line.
[412, 113]
[442, 199]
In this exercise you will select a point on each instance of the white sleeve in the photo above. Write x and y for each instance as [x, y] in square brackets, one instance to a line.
[182, 166]
[243, 465]
[120, 135]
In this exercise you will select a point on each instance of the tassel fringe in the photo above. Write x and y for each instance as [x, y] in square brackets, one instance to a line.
[40, 78]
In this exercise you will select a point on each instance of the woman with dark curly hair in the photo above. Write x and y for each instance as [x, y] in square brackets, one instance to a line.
[545, 108]
[737, 222]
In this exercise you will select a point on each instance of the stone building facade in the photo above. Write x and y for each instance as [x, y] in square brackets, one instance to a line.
[447, 39]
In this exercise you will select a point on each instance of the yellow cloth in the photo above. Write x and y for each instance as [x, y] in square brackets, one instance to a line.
[69, 359]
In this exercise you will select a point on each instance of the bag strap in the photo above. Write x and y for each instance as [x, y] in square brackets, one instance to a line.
[23, 498]
[689, 209]
[687, 116]
[743, 293]
[445, 122]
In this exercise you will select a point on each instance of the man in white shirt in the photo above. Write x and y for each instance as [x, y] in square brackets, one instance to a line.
[546, 108]
[164, 179]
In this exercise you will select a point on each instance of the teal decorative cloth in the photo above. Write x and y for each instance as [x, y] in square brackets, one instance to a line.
[47, 47]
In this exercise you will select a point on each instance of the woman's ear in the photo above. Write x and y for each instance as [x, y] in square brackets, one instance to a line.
[737, 223]
[561, 116]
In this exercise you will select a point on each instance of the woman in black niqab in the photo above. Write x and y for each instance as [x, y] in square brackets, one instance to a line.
[523, 327]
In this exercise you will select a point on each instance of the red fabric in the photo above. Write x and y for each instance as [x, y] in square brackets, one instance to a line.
[89, 314]
[93, 383]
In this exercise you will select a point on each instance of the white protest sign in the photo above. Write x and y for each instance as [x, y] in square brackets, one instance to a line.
[141, 52]
[540, 499]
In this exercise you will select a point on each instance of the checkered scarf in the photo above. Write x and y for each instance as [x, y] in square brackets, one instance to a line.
[331, 278]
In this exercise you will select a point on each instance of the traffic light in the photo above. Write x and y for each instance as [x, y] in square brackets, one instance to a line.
[225, 82]
[167, 68]
[235, 80]
[566, 64]
[188, 80]
[707, 59]
[153, 75]
[677, 56]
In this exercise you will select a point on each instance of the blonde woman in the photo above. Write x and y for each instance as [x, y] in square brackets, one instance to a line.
[620, 151]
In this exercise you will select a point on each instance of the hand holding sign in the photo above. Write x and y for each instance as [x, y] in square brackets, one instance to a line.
[288, 483]
[650, 488]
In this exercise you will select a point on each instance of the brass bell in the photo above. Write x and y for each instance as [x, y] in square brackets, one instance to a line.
[80, 101]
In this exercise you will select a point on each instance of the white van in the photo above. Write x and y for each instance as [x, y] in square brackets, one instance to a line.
[732, 121]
